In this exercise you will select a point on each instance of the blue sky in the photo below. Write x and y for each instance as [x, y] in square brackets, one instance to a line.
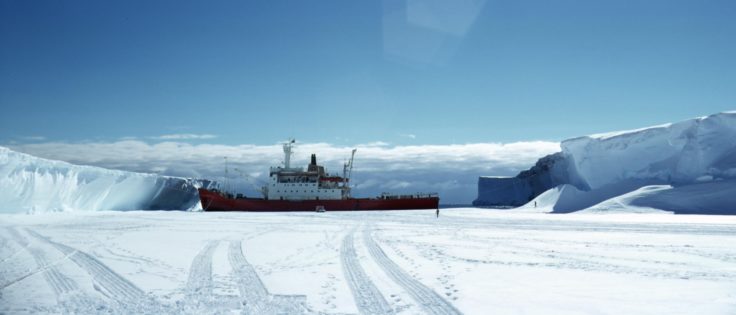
[403, 72]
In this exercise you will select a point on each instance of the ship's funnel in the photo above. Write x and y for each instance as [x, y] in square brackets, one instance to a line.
[314, 159]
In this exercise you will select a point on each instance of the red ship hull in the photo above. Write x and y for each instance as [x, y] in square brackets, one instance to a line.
[215, 201]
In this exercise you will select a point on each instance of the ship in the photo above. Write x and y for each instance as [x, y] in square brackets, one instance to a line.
[311, 189]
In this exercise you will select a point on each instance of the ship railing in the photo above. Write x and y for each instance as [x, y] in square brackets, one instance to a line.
[414, 196]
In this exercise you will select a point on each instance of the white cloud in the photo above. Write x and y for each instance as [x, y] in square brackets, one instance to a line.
[184, 136]
[451, 170]
[397, 184]
[408, 135]
[374, 144]
[33, 138]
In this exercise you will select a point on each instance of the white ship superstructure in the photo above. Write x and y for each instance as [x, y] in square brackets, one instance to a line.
[295, 183]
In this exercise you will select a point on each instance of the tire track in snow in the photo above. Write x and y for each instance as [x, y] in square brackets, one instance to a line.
[6, 273]
[199, 285]
[249, 284]
[430, 301]
[4, 245]
[21, 241]
[115, 286]
[367, 297]
[10, 273]
[59, 283]
[567, 258]
[257, 298]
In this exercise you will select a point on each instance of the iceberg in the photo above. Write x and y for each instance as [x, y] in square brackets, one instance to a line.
[31, 184]
[548, 172]
[682, 153]
[596, 168]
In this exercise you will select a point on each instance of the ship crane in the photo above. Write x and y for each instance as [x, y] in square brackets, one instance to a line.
[227, 186]
[257, 186]
[347, 171]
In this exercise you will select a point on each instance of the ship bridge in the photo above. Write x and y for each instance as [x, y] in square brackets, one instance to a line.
[287, 183]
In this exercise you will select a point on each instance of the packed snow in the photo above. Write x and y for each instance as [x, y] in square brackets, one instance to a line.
[695, 158]
[32, 184]
[469, 261]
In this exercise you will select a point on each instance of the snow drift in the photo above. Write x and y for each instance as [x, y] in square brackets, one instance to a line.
[30, 184]
[593, 169]
[716, 197]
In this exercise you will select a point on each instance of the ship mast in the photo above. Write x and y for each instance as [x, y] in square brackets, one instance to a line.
[287, 153]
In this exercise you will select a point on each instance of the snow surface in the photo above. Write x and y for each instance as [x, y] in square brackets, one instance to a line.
[468, 261]
[32, 184]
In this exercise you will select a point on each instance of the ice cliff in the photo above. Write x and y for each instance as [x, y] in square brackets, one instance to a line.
[599, 167]
[548, 172]
[32, 184]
